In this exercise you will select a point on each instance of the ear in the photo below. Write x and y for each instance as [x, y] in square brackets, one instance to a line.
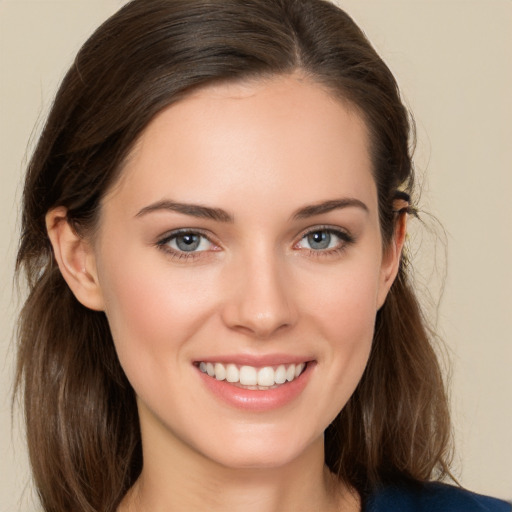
[76, 259]
[391, 259]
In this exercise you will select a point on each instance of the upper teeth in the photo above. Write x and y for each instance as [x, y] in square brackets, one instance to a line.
[251, 376]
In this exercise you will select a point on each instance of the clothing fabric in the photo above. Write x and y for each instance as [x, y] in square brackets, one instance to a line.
[431, 497]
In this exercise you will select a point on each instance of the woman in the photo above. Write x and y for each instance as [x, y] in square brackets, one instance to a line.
[219, 313]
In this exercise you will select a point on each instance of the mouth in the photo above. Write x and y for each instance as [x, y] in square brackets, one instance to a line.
[253, 377]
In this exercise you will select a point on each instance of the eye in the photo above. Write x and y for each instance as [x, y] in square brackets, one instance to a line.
[324, 239]
[186, 242]
[319, 240]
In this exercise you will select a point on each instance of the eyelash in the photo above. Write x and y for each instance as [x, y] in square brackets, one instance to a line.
[346, 239]
[162, 244]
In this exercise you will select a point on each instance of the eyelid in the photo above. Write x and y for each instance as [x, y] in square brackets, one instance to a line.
[343, 234]
[163, 241]
[345, 237]
[173, 233]
[337, 230]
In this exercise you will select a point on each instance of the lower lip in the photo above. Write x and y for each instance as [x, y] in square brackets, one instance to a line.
[258, 400]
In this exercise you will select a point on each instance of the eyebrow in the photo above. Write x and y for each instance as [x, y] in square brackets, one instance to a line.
[220, 215]
[328, 206]
[194, 210]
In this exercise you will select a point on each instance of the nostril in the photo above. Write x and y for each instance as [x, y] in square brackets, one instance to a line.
[259, 303]
[261, 330]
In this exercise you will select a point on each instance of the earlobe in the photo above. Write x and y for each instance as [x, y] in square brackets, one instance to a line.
[391, 259]
[76, 259]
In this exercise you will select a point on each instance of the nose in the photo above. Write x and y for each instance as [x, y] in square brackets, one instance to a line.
[259, 300]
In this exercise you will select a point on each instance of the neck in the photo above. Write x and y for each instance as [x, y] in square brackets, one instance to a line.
[179, 478]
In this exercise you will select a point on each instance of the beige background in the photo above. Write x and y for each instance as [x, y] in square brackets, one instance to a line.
[453, 61]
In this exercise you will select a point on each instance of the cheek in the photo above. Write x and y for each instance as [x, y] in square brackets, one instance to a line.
[344, 302]
[152, 311]
[349, 321]
[344, 311]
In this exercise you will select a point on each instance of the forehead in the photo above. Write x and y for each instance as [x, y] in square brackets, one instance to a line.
[251, 139]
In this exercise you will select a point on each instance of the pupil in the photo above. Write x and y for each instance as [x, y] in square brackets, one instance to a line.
[319, 240]
[188, 242]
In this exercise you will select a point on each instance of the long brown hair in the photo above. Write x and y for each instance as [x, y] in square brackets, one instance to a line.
[81, 417]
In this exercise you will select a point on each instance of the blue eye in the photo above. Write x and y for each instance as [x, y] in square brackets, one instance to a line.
[319, 240]
[324, 240]
[187, 242]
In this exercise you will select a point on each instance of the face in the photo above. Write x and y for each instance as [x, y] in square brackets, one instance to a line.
[241, 267]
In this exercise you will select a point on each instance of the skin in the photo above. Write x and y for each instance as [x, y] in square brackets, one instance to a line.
[260, 151]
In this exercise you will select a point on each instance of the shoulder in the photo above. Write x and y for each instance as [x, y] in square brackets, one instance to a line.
[431, 497]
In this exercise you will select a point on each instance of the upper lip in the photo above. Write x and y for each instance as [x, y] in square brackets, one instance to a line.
[256, 360]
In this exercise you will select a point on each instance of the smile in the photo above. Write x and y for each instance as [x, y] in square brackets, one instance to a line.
[251, 377]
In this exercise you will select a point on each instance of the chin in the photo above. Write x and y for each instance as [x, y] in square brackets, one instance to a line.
[263, 451]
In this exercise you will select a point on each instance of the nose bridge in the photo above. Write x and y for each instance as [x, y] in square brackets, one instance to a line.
[261, 302]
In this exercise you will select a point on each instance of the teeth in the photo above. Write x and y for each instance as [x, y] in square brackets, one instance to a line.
[248, 376]
[232, 373]
[220, 371]
[253, 378]
[266, 376]
[280, 374]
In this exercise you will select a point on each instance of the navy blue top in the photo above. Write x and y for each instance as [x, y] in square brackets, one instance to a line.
[431, 497]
